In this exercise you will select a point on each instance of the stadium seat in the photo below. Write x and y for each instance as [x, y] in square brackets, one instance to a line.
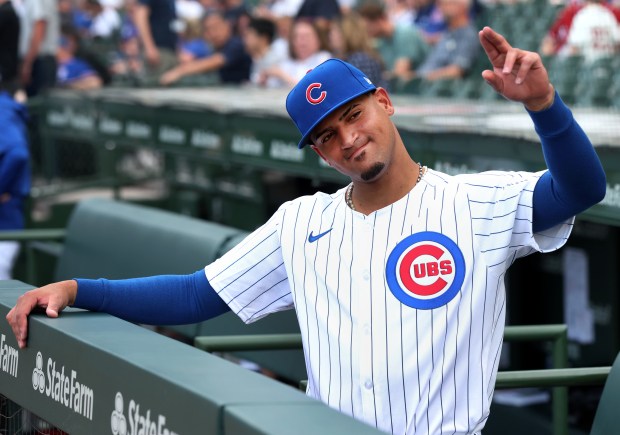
[565, 75]
[439, 88]
[116, 239]
[606, 417]
[469, 88]
[406, 87]
[595, 83]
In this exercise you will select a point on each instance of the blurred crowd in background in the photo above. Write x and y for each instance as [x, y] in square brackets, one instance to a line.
[88, 44]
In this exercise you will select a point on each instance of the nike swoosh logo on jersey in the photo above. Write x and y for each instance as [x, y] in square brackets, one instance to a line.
[312, 238]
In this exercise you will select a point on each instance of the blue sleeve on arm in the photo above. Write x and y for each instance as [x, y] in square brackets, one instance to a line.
[155, 300]
[575, 180]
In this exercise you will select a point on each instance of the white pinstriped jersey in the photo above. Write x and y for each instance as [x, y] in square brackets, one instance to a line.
[401, 311]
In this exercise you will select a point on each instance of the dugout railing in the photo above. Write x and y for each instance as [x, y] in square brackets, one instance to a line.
[91, 373]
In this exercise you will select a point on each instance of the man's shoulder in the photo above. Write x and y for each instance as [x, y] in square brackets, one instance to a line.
[317, 201]
[467, 32]
[453, 175]
[406, 32]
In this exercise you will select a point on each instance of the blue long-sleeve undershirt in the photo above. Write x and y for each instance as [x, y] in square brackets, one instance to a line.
[154, 300]
[575, 181]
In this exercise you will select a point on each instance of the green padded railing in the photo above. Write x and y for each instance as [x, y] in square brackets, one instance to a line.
[223, 343]
[95, 374]
[568, 377]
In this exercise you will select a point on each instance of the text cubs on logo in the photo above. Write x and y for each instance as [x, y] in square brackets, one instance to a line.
[425, 270]
[309, 96]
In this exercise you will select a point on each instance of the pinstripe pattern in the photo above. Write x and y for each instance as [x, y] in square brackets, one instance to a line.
[398, 368]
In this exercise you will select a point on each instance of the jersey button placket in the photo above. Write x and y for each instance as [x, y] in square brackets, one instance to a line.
[365, 325]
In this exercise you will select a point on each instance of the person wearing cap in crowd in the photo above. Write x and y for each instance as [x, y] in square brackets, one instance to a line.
[73, 71]
[397, 278]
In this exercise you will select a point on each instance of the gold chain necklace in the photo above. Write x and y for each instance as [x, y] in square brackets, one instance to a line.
[348, 196]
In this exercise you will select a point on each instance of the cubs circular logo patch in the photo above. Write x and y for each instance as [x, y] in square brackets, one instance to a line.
[425, 270]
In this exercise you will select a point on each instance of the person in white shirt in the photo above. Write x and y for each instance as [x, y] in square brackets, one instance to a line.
[105, 20]
[307, 49]
[258, 41]
[594, 33]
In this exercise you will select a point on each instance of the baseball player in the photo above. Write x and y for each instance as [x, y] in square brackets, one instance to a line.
[396, 279]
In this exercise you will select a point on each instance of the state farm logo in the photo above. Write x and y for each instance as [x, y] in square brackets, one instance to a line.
[38, 378]
[139, 422]
[425, 270]
[118, 420]
[9, 357]
[63, 388]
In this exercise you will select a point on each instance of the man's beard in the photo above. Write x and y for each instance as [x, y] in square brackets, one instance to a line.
[373, 171]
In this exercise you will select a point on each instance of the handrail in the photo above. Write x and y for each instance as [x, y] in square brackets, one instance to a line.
[248, 342]
[558, 335]
[83, 381]
[568, 377]
[32, 235]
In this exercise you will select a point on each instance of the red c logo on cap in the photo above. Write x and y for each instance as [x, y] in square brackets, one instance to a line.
[311, 99]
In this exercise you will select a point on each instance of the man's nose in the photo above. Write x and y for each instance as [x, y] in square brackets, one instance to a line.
[349, 136]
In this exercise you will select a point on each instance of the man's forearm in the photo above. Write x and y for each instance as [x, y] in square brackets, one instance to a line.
[155, 300]
[576, 179]
[448, 72]
[141, 17]
[38, 34]
[208, 64]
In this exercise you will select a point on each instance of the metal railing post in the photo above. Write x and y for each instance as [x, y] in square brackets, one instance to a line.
[559, 336]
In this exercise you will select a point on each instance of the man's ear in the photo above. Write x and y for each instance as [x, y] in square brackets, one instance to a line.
[316, 150]
[383, 99]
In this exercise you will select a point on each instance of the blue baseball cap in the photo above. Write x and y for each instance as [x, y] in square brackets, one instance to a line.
[323, 90]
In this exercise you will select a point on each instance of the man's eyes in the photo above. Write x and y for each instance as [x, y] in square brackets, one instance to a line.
[354, 115]
[327, 136]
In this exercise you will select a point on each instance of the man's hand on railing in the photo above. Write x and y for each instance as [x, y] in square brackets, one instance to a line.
[53, 298]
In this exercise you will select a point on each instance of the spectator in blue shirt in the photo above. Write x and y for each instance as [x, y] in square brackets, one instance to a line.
[428, 19]
[74, 72]
[192, 45]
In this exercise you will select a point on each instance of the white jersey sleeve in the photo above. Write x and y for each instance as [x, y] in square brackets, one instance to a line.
[251, 278]
[502, 214]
